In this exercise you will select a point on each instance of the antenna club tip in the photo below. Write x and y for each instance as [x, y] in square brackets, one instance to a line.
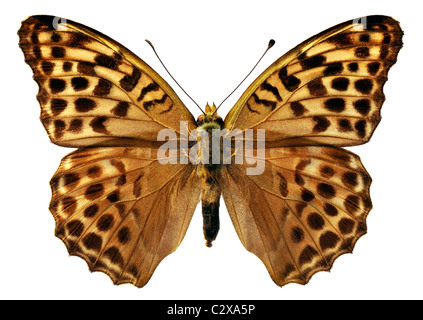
[149, 42]
[271, 43]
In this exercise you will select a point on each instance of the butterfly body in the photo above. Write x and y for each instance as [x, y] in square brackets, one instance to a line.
[123, 206]
[210, 175]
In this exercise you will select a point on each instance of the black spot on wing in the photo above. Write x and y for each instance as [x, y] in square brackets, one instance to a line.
[316, 88]
[291, 82]
[313, 62]
[335, 104]
[97, 124]
[151, 87]
[364, 86]
[57, 85]
[106, 61]
[266, 103]
[128, 82]
[79, 83]
[322, 124]
[297, 108]
[340, 84]
[333, 69]
[268, 87]
[362, 106]
[148, 105]
[373, 67]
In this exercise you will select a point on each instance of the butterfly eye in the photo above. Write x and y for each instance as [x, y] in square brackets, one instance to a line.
[200, 120]
[219, 121]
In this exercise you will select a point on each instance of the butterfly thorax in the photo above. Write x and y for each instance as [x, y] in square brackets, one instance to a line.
[209, 173]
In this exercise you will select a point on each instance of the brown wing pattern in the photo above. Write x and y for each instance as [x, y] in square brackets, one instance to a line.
[308, 207]
[327, 90]
[121, 210]
[94, 91]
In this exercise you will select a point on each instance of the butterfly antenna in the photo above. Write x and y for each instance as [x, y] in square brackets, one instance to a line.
[152, 47]
[271, 43]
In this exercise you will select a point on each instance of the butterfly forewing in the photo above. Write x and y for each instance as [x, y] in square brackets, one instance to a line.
[327, 90]
[93, 91]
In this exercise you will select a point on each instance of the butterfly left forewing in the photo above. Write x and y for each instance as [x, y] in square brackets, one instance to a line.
[94, 91]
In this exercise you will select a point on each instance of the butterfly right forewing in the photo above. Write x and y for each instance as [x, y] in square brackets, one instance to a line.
[327, 90]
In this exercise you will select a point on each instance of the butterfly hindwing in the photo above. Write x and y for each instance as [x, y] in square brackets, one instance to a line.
[121, 210]
[308, 207]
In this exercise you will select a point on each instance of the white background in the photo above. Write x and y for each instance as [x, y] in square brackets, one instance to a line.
[209, 47]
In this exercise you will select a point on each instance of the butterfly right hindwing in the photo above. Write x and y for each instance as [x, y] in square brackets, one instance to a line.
[308, 207]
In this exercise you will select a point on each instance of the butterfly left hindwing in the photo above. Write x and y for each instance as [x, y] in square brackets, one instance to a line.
[121, 210]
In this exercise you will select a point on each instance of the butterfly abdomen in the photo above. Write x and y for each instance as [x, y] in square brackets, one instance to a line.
[209, 173]
[210, 196]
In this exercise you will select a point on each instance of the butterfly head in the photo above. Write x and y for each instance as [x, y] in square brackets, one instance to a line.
[210, 116]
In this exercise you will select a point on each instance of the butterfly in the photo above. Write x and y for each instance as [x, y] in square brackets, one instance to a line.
[120, 209]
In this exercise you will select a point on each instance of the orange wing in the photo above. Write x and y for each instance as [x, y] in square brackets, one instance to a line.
[327, 90]
[121, 210]
[94, 91]
[308, 207]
